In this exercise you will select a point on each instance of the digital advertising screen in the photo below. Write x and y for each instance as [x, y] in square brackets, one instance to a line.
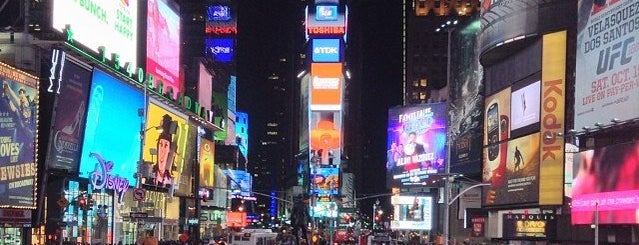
[515, 178]
[325, 181]
[71, 105]
[325, 210]
[163, 44]
[207, 161]
[220, 49]
[497, 117]
[606, 69]
[221, 20]
[240, 182]
[115, 20]
[18, 125]
[412, 213]
[325, 139]
[525, 107]
[112, 133]
[326, 50]
[325, 20]
[529, 226]
[165, 139]
[241, 132]
[326, 86]
[205, 87]
[416, 144]
[606, 180]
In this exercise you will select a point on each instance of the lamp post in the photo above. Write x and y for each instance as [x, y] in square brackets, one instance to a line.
[449, 27]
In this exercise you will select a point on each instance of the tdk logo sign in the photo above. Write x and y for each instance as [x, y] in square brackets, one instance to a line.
[326, 13]
[326, 50]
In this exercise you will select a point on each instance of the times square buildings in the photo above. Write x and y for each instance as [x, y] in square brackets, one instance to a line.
[556, 134]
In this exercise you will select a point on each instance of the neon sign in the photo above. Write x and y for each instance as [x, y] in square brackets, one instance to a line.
[220, 30]
[326, 30]
[101, 179]
[141, 78]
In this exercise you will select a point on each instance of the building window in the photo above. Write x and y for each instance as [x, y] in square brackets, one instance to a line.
[422, 95]
[423, 82]
[416, 83]
[415, 95]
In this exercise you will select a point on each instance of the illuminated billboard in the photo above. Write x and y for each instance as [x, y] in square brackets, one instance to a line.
[412, 213]
[163, 44]
[325, 139]
[205, 87]
[325, 21]
[606, 180]
[112, 133]
[529, 226]
[165, 140]
[524, 107]
[220, 20]
[416, 143]
[497, 118]
[207, 161]
[220, 49]
[514, 178]
[326, 86]
[71, 105]
[325, 181]
[606, 69]
[18, 125]
[325, 210]
[241, 132]
[109, 24]
[326, 50]
[326, 13]
[240, 182]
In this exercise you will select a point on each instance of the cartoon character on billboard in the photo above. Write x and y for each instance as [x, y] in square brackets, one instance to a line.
[165, 154]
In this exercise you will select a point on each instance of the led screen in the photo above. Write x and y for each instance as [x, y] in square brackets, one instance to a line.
[514, 173]
[207, 161]
[326, 50]
[109, 24]
[326, 139]
[220, 49]
[325, 21]
[165, 140]
[606, 69]
[416, 144]
[606, 180]
[218, 13]
[412, 213]
[497, 117]
[241, 133]
[326, 86]
[524, 106]
[325, 210]
[113, 127]
[18, 123]
[70, 110]
[220, 20]
[240, 182]
[163, 44]
[326, 13]
[205, 87]
[325, 181]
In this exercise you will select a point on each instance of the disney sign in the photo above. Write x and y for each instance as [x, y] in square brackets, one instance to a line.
[101, 179]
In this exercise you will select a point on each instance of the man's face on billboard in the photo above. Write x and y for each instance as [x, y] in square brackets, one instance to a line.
[164, 147]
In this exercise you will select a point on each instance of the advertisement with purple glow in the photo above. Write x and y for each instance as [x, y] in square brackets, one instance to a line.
[163, 44]
[416, 145]
[606, 180]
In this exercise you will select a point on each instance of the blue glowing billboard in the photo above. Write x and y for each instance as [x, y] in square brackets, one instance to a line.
[326, 50]
[325, 181]
[220, 49]
[416, 145]
[240, 182]
[218, 13]
[326, 13]
[112, 133]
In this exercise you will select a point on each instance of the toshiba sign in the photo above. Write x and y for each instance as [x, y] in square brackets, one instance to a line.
[326, 50]
[326, 86]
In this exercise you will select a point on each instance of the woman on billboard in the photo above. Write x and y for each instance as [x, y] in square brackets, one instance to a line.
[166, 154]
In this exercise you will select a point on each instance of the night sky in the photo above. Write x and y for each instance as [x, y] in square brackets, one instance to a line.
[374, 39]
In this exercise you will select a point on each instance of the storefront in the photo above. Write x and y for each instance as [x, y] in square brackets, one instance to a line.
[156, 212]
[14, 224]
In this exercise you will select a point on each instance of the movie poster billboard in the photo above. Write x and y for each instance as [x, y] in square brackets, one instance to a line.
[325, 181]
[18, 124]
[466, 103]
[207, 163]
[515, 178]
[416, 144]
[607, 81]
[163, 44]
[497, 117]
[165, 140]
[325, 139]
[606, 180]
[70, 109]
[112, 25]
[412, 213]
[111, 145]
